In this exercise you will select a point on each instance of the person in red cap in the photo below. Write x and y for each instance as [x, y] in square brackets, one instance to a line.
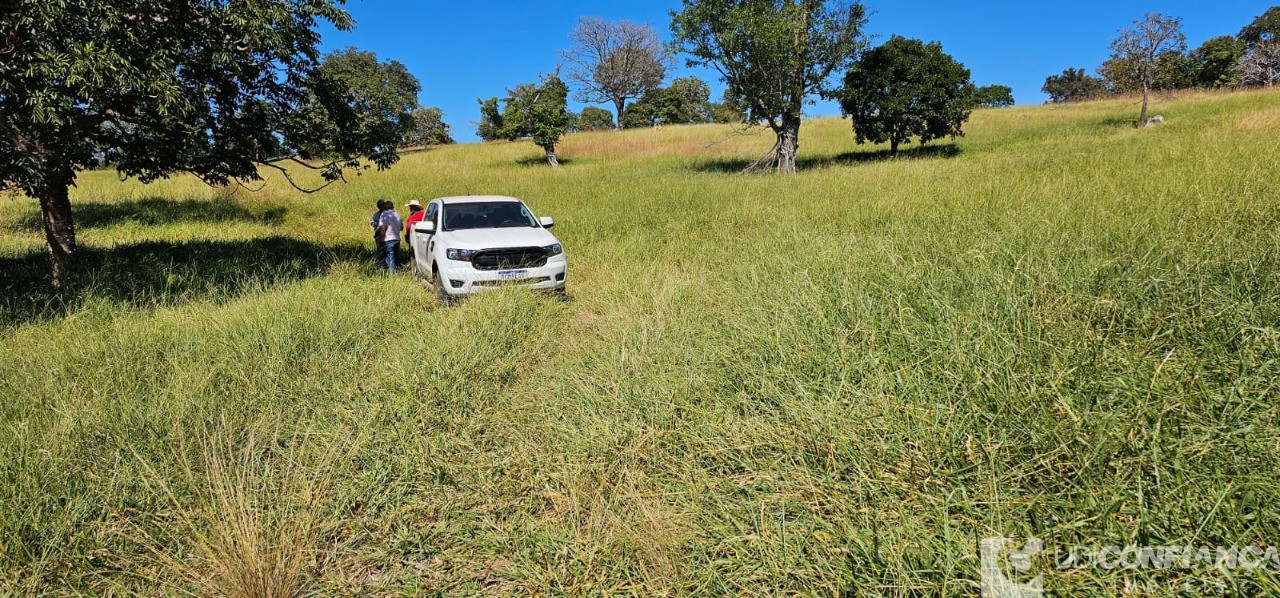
[415, 216]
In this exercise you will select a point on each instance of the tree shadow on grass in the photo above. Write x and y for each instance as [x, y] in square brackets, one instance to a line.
[159, 274]
[156, 211]
[541, 161]
[917, 152]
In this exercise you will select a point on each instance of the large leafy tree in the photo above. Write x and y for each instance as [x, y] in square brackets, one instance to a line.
[1215, 61]
[1136, 52]
[774, 55]
[535, 111]
[1073, 85]
[217, 88]
[355, 103]
[1265, 28]
[613, 62]
[685, 101]
[906, 89]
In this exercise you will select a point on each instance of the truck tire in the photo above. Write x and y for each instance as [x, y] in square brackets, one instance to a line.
[437, 287]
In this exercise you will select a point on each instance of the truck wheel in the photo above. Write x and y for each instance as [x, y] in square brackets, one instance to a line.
[437, 286]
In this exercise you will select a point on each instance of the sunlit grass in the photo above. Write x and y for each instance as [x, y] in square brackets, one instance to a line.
[837, 382]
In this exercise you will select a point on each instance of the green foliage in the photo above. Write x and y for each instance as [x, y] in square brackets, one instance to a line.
[356, 104]
[993, 96]
[640, 115]
[209, 85]
[1171, 70]
[1266, 27]
[1174, 70]
[216, 88]
[1073, 85]
[904, 89]
[595, 119]
[535, 111]
[429, 128]
[774, 55]
[685, 101]
[1215, 61]
[490, 126]
[1120, 75]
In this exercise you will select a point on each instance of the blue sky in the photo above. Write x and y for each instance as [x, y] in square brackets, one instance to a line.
[464, 50]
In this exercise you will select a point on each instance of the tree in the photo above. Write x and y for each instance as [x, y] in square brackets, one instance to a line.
[215, 88]
[535, 111]
[774, 55]
[596, 119]
[1265, 28]
[1137, 51]
[1174, 70]
[615, 62]
[686, 101]
[640, 115]
[1073, 85]
[354, 97]
[1261, 64]
[1215, 61]
[993, 96]
[490, 126]
[429, 128]
[904, 89]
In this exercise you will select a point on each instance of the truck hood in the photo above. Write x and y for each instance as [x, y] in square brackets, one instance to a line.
[494, 238]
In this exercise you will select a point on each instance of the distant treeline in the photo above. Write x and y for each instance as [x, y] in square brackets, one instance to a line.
[1249, 58]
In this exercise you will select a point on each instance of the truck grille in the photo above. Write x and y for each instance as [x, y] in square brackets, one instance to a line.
[509, 258]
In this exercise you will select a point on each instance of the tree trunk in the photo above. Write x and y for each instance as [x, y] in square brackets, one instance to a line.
[1146, 92]
[551, 156]
[788, 143]
[893, 147]
[59, 228]
[621, 105]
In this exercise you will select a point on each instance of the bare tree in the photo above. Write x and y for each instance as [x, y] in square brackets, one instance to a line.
[613, 62]
[1261, 64]
[1139, 50]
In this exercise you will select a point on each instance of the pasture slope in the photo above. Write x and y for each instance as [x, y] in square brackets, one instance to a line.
[832, 383]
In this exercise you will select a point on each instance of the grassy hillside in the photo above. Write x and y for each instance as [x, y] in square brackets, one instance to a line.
[837, 382]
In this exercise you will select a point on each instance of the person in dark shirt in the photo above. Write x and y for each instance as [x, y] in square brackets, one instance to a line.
[378, 245]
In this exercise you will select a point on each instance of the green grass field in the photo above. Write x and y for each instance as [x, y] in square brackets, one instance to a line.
[832, 383]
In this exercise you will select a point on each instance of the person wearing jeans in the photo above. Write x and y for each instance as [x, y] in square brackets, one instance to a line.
[389, 227]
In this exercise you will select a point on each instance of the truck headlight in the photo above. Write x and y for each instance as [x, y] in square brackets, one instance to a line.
[551, 250]
[460, 255]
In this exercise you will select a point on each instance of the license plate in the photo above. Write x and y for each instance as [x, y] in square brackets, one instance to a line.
[513, 274]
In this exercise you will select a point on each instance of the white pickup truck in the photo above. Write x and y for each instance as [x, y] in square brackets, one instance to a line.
[466, 245]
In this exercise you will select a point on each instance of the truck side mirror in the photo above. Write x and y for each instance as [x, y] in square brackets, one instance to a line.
[424, 227]
[546, 222]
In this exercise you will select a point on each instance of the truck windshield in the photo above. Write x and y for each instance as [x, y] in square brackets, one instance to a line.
[487, 214]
